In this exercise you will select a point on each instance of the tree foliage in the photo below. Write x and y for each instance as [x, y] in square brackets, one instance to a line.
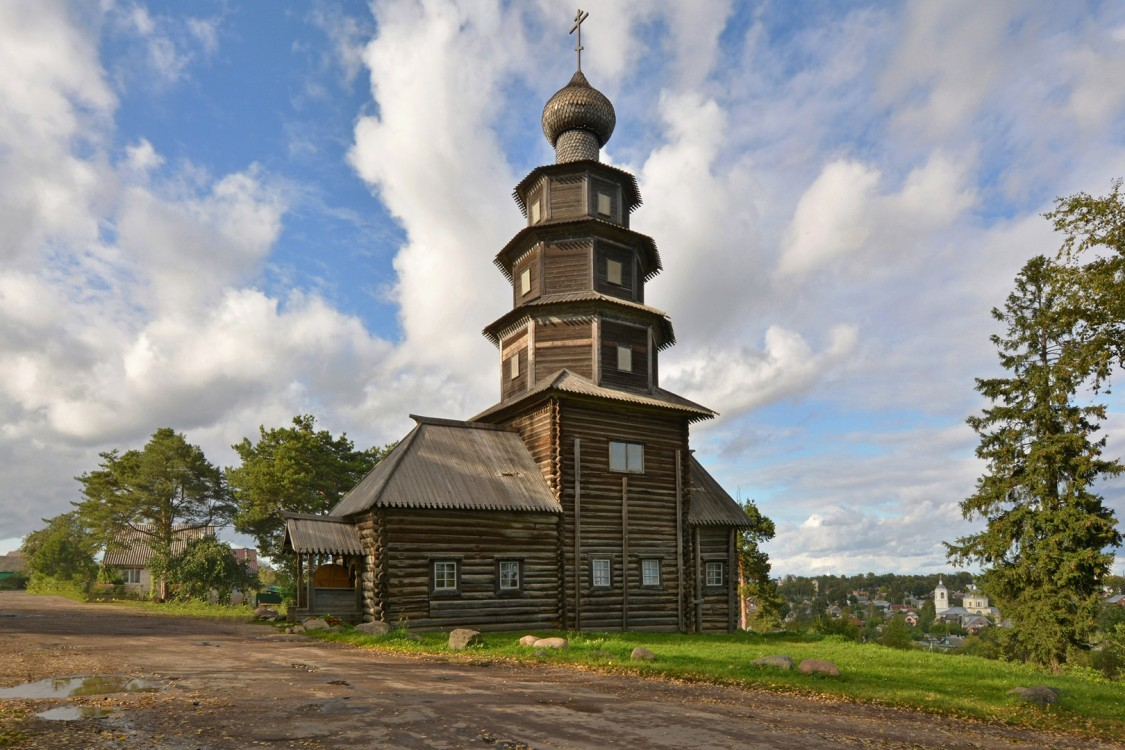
[1044, 548]
[208, 567]
[297, 469]
[166, 487]
[62, 551]
[755, 584]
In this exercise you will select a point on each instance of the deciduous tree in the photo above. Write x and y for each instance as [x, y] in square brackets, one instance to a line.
[297, 469]
[62, 551]
[1045, 546]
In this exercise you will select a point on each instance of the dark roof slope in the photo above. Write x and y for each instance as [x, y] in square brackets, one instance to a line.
[321, 535]
[710, 503]
[449, 464]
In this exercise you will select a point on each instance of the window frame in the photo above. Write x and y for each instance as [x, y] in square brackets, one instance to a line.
[525, 282]
[629, 466]
[607, 199]
[624, 358]
[455, 590]
[514, 366]
[536, 212]
[645, 562]
[594, 565]
[708, 567]
[614, 268]
[503, 590]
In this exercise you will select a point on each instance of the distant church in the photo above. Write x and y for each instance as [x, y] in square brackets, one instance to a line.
[574, 502]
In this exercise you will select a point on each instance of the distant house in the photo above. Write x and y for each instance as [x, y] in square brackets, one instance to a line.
[129, 556]
[973, 625]
[1117, 600]
[11, 565]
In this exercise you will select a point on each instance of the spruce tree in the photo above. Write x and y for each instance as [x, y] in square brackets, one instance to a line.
[1048, 536]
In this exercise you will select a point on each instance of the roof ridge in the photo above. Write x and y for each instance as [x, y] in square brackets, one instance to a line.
[441, 422]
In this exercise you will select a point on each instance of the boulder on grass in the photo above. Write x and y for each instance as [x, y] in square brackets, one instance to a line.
[373, 628]
[265, 612]
[529, 640]
[315, 623]
[819, 666]
[461, 638]
[551, 643]
[777, 661]
[640, 653]
[1041, 694]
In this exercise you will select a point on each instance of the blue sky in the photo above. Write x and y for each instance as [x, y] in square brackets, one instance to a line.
[218, 215]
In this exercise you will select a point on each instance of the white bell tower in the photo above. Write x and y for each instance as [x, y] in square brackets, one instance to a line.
[941, 598]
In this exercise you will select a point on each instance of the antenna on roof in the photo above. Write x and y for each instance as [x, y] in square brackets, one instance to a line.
[578, 19]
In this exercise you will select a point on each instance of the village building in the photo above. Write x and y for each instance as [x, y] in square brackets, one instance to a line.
[574, 502]
[128, 558]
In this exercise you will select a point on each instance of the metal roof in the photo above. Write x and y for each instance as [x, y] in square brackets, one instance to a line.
[450, 464]
[321, 535]
[710, 503]
[565, 381]
[130, 547]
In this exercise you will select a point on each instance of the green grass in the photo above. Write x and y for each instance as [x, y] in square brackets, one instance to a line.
[189, 608]
[964, 687]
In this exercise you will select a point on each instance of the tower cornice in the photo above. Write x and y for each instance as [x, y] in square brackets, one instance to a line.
[579, 229]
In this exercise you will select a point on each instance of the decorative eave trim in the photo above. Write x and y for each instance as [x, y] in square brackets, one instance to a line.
[549, 231]
[595, 306]
[628, 181]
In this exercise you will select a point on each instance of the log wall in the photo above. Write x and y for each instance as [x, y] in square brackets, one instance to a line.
[717, 610]
[564, 344]
[567, 267]
[477, 540]
[635, 338]
[625, 517]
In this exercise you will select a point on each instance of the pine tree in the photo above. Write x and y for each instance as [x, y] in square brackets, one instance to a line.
[1045, 546]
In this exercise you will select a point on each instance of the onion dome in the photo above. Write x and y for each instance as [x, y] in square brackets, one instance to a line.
[578, 120]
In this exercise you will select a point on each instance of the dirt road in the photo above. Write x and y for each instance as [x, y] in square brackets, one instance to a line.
[231, 685]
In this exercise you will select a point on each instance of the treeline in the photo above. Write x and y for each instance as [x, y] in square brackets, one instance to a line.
[827, 590]
[162, 492]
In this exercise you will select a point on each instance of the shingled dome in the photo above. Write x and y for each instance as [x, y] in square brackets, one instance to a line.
[578, 120]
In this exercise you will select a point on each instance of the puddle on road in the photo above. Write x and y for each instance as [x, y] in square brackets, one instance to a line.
[73, 713]
[74, 687]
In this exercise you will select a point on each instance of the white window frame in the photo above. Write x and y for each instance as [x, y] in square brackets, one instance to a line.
[536, 213]
[525, 281]
[514, 365]
[605, 204]
[131, 575]
[627, 458]
[509, 575]
[624, 359]
[650, 571]
[601, 572]
[715, 572]
[614, 272]
[443, 571]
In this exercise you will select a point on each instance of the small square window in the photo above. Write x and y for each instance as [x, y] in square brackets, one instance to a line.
[509, 575]
[714, 573]
[628, 457]
[624, 359]
[601, 572]
[445, 575]
[514, 365]
[525, 281]
[131, 575]
[650, 572]
[535, 212]
[605, 205]
[613, 272]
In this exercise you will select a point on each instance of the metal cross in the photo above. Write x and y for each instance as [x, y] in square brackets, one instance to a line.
[578, 19]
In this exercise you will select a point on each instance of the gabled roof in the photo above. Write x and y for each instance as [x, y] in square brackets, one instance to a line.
[710, 503]
[449, 464]
[565, 381]
[11, 563]
[130, 546]
[321, 535]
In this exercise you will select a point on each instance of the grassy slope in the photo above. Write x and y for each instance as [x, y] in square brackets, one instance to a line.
[965, 687]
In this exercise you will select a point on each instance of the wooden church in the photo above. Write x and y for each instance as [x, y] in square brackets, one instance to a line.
[573, 503]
